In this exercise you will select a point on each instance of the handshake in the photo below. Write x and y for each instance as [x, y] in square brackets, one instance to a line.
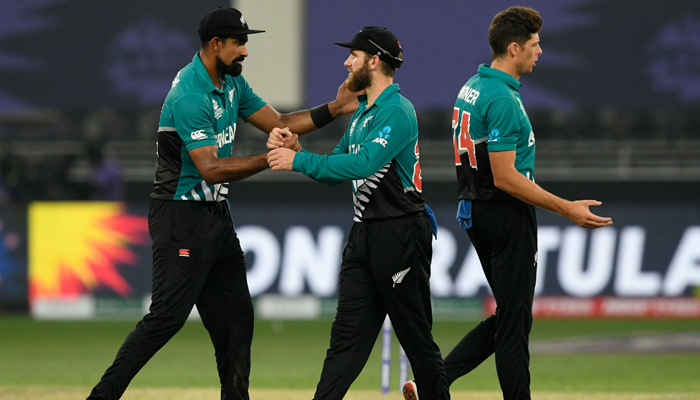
[283, 145]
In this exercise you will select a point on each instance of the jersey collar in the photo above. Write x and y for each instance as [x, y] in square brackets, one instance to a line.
[495, 73]
[384, 96]
[204, 75]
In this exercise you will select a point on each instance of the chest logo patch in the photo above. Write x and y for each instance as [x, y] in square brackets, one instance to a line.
[218, 111]
[383, 136]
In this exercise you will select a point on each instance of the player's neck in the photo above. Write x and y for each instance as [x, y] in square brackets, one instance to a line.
[379, 83]
[209, 63]
[506, 66]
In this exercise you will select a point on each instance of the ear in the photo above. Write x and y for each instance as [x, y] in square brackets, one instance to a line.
[216, 43]
[514, 48]
[374, 61]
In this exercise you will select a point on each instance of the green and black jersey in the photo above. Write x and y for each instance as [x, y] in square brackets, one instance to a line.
[489, 116]
[379, 153]
[197, 114]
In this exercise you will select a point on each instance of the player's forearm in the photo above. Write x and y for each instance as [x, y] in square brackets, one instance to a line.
[233, 169]
[298, 122]
[529, 192]
[301, 122]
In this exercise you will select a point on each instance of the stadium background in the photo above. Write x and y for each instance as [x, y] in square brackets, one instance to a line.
[614, 102]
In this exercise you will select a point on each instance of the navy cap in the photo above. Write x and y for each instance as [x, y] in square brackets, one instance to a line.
[377, 41]
[223, 23]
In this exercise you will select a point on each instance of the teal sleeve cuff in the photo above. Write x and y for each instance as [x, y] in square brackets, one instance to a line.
[251, 110]
[200, 143]
[503, 144]
[299, 159]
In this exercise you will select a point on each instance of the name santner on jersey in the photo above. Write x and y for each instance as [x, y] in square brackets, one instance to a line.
[183, 128]
[489, 116]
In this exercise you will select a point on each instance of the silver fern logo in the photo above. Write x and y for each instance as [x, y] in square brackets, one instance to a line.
[398, 277]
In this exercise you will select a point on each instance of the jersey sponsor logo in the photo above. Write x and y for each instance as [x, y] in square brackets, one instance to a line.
[468, 94]
[364, 123]
[531, 141]
[226, 136]
[493, 135]
[383, 136]
[230, 95]
[176, 80]
[198, 135]
[184, 253]
[398, 277]
[218, 111]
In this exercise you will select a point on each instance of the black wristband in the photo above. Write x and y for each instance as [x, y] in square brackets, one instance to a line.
[321, 115]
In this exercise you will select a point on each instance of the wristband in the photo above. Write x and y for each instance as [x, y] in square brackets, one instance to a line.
[321, 115]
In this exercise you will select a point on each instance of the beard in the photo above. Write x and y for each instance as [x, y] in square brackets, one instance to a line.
[234, 69]
[359, 80]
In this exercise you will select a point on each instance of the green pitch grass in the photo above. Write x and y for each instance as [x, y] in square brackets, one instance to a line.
[67, 358]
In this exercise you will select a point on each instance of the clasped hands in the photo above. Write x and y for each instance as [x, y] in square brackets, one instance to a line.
[283, 145]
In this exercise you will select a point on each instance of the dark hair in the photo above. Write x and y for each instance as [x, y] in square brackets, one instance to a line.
[386, 68]
[242, 39]
[516, 24]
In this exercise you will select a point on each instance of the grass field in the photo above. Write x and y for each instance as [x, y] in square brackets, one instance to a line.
[63, 360]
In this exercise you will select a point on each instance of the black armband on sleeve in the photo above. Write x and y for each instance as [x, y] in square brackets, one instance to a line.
[321, 115]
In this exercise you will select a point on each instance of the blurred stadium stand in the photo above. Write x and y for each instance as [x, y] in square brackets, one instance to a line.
[614, 146]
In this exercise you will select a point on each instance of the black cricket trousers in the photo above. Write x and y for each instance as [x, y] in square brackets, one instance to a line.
[385, 269]
[197, 259]
[504, 235]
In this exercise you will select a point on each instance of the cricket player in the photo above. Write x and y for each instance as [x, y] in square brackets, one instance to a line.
[494, 147]
[386, 263]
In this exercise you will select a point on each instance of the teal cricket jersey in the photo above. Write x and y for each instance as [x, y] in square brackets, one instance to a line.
[196, 114]
[489, 116]
[379, 153]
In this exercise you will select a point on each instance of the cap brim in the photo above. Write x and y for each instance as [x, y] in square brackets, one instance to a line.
[248, 32]
[345, 44]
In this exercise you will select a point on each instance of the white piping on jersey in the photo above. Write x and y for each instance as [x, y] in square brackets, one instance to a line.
[365, 186]
[482, 140]
[207, 192]
[167, 129]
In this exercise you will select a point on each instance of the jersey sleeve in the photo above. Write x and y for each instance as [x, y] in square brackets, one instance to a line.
[390, 133]
[503, 124]
[192, 116]
[248, 101]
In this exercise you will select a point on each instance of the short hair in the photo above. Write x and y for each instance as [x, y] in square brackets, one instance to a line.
[516, 24]
[386, 68]
[242, 39]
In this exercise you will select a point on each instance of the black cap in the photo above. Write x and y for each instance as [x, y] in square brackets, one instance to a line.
[379, 41]
[222, 23]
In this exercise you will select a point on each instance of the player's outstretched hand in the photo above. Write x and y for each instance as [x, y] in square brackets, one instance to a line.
[345, 102]
[583, 217]
[281, 159]
[277, 138]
